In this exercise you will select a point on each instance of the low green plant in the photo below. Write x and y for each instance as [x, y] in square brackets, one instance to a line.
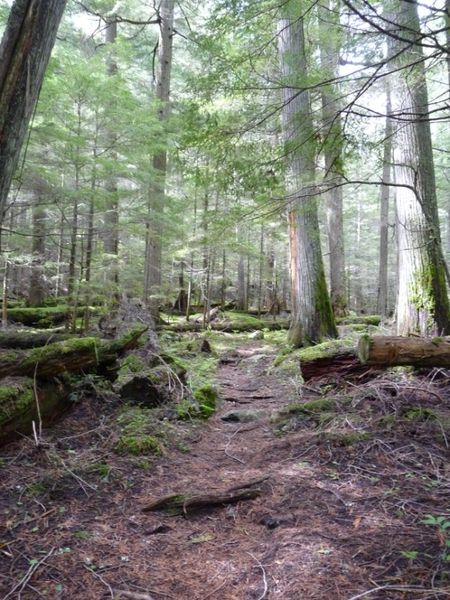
[442, 525]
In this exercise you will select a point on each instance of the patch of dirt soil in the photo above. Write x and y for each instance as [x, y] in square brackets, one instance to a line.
[340, 515]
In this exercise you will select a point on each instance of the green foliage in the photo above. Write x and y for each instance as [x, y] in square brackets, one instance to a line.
[442, 524]
[138, 444]
[142, 433]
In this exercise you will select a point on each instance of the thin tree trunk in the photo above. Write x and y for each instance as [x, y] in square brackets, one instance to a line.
[382, 308]
[312, 315]
[36, 295]
[24, 53]
[261, 269]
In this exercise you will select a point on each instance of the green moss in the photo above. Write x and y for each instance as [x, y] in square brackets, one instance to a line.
[326, 349]
[132, 364]
[175, 362]
[418, 413]
[360, 320]
[15, 399]
[311, 407]
[43, 316]
[326, 326]
[346, 438]
[206, 396]
[138, 444]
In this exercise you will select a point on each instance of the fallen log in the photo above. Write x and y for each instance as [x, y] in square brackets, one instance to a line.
[69, 355]
[30, 339]
[44, 317]
[389, 351]
[183, 503]
[19, 401]
[335, 358]
[229, 326]
[345, 364]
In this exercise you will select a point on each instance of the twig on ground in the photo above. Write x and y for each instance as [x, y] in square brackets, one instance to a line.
[105, 583]
[214, 591]
[227, 445]
[28, 575]
[133, 595]
[401, 588]
[263, 571]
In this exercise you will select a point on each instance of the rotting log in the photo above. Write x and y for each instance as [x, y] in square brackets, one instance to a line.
[345, 364]
[44, 317]
[19, 401]
[70, 355]
[13, 338]
[183, 503]
[229, 326]
[389, 351]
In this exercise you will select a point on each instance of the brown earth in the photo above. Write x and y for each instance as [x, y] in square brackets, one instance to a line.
[339, 516]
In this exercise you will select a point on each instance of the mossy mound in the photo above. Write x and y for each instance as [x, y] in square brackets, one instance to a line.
[141, 432]
[138, 445]
[202, 405]
[313, 406]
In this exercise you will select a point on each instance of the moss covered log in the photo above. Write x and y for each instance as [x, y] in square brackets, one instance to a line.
[230, 326]
[387, 351]
[331, 358]
[69, 355]
[44, 316]
[360, 320]
[18, 404]
[30, 339]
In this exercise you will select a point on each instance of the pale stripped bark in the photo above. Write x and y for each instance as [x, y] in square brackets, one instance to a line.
[24, 53]
[312, 317]
[422, 302]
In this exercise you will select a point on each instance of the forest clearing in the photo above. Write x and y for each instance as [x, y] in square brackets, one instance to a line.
[224, 307]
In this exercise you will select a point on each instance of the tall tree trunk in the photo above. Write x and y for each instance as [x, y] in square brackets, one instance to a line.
[36, 295]
[382, 307]
[330, 42]
[312, 315]
[422, 301]
[24, 52]
[241, 289]
[111, 233]
[261, 270]
[153, 258]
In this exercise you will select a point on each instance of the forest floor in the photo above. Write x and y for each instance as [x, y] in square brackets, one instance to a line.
[350, 481]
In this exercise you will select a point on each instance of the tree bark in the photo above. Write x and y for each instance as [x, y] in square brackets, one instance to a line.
[153, 257]
[111, 232]
[397, 351]
[61, 357]
[382, 295]
[330, 42]
[422, 301]
[24, 53]
[36, 295]
[312, 316]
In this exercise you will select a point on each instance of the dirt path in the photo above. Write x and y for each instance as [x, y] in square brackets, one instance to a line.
[330, 522]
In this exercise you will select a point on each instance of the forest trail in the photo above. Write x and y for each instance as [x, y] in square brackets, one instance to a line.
[330, 522]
